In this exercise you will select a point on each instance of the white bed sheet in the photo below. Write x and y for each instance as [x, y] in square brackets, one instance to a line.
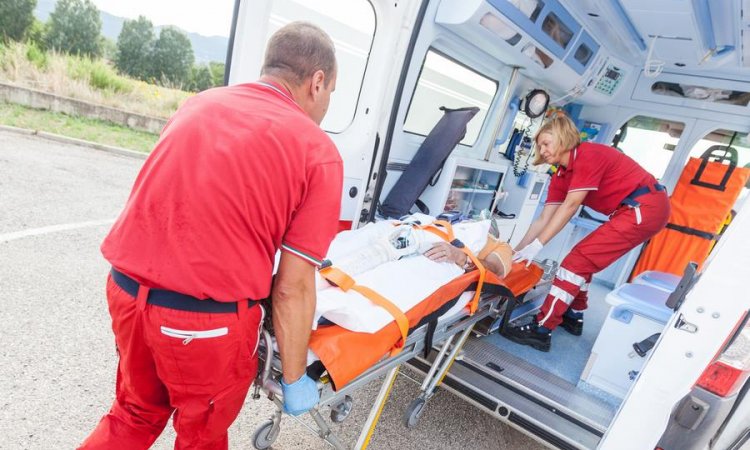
[405, 282]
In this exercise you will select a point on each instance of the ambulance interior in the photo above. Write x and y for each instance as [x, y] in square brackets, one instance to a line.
[661, 81]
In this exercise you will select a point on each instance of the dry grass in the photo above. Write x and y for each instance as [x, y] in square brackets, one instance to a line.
[94, 81]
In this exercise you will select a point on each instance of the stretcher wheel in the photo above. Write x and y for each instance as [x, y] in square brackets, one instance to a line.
[265, 435]
[341, 411]
[414, 412]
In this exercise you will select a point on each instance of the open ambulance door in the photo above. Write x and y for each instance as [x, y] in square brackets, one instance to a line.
[694, 337]
[373, 39]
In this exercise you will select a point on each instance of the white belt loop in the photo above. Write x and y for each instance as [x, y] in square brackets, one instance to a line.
[638, 218]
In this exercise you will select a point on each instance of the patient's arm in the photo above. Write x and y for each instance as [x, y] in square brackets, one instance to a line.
[293, 300]
[495, 256]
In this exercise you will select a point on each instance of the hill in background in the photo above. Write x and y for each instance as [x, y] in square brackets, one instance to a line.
[205, 48]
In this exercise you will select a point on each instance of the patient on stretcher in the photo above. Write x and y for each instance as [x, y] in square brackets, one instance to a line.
[403, 263]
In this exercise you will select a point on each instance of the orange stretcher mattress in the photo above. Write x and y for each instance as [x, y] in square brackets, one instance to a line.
[346, 354]
[701, 202]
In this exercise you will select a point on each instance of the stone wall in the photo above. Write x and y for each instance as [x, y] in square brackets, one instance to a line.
[43, 100]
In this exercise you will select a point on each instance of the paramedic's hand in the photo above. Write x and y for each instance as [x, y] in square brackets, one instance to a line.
[528, 253]
[300, 396]
[445, 252]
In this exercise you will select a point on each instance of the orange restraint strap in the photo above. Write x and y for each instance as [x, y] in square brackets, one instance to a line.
[449, 237]
[345, 283]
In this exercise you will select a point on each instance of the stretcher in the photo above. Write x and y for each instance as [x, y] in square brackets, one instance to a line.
[346, 360]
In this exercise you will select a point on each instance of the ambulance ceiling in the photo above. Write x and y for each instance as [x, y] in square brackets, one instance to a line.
[686, 35]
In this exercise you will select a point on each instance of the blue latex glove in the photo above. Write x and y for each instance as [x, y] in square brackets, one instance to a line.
[300, 396]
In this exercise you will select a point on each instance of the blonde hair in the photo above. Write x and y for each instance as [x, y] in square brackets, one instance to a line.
[563, 130]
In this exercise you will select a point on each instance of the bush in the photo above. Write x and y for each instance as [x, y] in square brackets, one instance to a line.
[35, 34]
[98, 75]
[104, 77]
[36, 56]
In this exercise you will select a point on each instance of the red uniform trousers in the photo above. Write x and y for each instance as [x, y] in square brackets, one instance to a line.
[203, 380]
[598, 250]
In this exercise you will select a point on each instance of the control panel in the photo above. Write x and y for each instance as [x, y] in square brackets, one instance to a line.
[609, 80]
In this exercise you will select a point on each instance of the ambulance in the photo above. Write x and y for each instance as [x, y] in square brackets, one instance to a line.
[664, 358]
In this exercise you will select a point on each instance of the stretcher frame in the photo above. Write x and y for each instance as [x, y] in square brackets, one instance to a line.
[340, 401]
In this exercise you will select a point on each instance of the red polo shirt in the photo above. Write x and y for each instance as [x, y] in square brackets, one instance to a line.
[238, 173]
[608, 174]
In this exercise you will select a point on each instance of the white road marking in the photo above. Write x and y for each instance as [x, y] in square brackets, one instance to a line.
[52, 229]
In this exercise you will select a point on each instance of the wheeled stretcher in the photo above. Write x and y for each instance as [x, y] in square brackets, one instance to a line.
[345, 360]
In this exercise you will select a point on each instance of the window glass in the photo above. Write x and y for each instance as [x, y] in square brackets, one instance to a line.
[351, 25]
[444, 82]
[558, 31]
[650, 142]
[738, 141]
[704, 93]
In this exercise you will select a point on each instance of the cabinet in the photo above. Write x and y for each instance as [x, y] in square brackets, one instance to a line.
[466, 185]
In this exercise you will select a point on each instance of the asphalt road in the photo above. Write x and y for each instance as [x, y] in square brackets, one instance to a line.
[57, 355]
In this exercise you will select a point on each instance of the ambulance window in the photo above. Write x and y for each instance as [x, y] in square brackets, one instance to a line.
[351, 25]
[650, 142]
[444, 82]
[738, 141]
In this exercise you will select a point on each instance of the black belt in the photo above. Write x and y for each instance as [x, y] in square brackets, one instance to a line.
[175, 300]
[643, 190]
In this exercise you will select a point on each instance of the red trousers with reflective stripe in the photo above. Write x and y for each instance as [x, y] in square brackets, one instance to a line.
[203, 381]
[598, 250]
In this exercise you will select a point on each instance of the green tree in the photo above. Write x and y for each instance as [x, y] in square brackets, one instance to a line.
[134, 47]
[172, 57]
[74, 27]
[217, 73]
[16, 16]
[36, 33]
[200, 78]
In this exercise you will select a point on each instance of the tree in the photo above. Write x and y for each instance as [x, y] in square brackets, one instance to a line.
[16, 16]
[200, 78]
[172, 57]
[74, 27]
[134, 47]
[217, 73]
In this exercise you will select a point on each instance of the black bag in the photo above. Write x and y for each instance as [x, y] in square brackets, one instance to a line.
[428, 160]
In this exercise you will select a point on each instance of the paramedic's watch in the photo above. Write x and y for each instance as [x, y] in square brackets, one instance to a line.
[300, 396]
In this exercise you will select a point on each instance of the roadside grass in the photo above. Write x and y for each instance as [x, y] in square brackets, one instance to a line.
[99, 131]
[95, 81]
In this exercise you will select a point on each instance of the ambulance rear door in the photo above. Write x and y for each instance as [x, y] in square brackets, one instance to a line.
[372, 39]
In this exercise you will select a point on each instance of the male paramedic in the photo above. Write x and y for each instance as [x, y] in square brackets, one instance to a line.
[238, 173]
[605, 180]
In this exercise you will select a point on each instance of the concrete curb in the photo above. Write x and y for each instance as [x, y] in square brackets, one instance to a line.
[69, 140]
[48, 101]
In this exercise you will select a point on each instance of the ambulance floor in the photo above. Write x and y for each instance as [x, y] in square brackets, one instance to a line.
[569, 353]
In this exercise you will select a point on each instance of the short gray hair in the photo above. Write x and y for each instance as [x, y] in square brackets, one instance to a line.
[297, 50]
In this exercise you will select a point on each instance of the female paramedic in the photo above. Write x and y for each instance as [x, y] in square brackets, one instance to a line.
[605, 180]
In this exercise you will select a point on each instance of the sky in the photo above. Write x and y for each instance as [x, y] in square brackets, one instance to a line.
[207, 17]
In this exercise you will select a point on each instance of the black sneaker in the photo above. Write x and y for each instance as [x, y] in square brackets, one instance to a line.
[572, 325]
[529, 335]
